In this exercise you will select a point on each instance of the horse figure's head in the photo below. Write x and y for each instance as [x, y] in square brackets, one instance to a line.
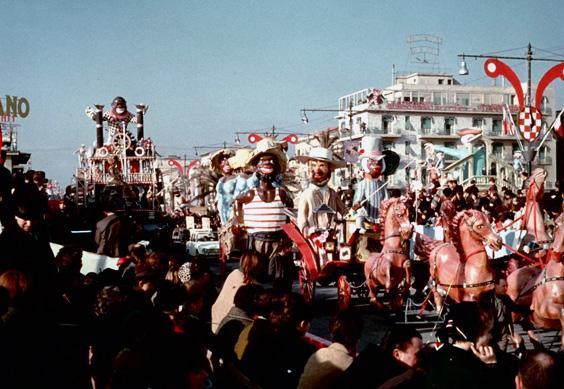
[396, 215]
[479, 228]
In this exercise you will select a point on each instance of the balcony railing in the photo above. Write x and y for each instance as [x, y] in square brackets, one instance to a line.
[543, 161]
[436, 131]
[424, 106]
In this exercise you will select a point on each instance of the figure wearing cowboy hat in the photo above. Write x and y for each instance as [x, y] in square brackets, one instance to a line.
[371, 190]
[260, 210]
[318, 194]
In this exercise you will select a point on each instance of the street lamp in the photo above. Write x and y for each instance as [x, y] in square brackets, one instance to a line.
[530, 116]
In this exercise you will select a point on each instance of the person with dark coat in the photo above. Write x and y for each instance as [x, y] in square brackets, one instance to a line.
[464, 357]
[24, 242]
[393, 364]
[111, 234]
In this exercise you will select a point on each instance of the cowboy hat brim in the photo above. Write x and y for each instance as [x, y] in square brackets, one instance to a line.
[276, 151]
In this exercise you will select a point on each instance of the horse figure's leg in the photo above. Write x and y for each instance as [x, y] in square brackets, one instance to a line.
[371, 280]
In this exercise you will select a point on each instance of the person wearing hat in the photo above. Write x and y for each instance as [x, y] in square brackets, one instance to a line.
[260, 210]
[24, 239]
[225, 187]
[318, 194]
[371, 190]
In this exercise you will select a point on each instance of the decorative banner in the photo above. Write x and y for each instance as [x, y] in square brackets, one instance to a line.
[254, 138]
[293, 139]
[175, 163]
[530, 123]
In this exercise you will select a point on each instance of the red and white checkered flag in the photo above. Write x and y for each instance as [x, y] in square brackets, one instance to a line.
[530, 123]
[508, 124]
[557, 125]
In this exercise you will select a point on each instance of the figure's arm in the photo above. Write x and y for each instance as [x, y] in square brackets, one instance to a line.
[303, 213]
[358, 196]
[238, 207]
[287, 200]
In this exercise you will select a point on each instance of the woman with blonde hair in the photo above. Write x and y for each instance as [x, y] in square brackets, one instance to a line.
[247, 273]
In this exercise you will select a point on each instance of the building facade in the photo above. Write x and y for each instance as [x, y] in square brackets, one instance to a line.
[429, 108]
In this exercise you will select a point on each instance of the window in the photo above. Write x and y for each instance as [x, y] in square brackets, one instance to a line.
[441, 81]
[477, 122]
[496, 126]
[449, 82]
[426, 125]
[449, 126]
[386, 123]
[497, 149]
[463, 99]
[406, 98]
[407, 148]
[387, 145]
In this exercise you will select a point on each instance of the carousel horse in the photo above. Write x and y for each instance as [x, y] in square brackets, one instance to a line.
[390, 266]
[543, 289]
[533, 218]
[461, 269]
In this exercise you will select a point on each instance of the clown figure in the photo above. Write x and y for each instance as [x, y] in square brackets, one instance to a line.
[371, 190]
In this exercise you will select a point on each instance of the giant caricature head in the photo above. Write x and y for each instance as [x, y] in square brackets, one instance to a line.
[320, 165]
[267, 167]
[375, 162]
[269, 160]
[119, 108]
[220, 161]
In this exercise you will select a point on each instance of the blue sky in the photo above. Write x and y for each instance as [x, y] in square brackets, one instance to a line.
[210, 68]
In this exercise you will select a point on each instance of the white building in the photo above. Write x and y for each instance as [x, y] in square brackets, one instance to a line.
[421, 108]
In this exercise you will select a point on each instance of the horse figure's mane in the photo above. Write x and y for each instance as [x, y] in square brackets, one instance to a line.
[455, 226]
[385, 206]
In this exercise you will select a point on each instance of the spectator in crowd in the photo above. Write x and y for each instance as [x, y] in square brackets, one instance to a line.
[247, 274]
[394, 363]
[111, 233]
[326, 364]
[538, 370]
[276, 351]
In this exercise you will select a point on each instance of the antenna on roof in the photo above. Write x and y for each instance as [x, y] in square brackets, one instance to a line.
[425, 50]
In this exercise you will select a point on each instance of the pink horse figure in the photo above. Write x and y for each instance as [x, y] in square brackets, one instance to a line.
[391, 266]
[533, 218]
[543, 289]
[461, 268]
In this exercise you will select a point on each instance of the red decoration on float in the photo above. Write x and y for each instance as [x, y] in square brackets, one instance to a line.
[254, 138]
[292, 138]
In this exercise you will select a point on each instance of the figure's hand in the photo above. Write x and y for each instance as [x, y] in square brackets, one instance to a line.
[89, 111]
[237, 230]
[484, 353]
[356, 206]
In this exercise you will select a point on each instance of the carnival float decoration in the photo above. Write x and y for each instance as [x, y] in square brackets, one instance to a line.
[120, 159]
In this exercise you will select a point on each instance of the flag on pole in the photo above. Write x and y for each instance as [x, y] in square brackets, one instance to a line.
[508, 124]
[557, 125]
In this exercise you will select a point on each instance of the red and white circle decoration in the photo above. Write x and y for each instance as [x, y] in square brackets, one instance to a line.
[254, 138]
[530, 123]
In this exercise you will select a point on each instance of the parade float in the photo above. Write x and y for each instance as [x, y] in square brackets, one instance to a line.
[122, 160]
